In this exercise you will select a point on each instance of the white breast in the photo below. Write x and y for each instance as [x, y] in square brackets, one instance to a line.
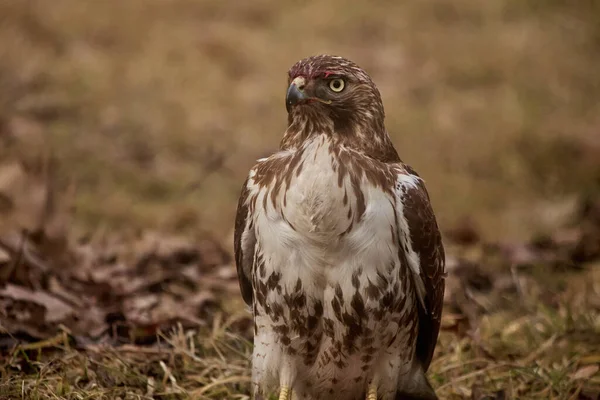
[303, 235]
[314, 200]
[309, 223]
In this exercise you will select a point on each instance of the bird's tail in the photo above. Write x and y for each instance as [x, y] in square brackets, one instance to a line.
[416, 386]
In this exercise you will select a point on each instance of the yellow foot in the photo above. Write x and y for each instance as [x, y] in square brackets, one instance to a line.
[285, 393]
[372, 393]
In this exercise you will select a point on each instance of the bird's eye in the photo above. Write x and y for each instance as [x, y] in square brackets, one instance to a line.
[337, 85]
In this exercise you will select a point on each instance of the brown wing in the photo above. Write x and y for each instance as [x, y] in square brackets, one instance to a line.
[244, 241]
[427, 243]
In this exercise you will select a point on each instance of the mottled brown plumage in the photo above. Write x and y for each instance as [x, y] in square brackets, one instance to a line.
[337, 248]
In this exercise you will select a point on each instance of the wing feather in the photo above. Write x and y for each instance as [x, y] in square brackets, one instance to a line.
[244, 241]
[426, 258]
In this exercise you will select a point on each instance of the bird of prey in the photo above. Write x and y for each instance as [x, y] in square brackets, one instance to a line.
[337, 249]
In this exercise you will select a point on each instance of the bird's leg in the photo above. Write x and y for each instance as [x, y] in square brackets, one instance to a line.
[285, 393]
[287, 377]
[372, 392]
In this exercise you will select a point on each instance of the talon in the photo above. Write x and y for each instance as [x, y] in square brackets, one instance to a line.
[284, 394]
[372, 393]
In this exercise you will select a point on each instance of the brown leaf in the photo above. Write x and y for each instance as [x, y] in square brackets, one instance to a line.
[585, 372]
[56, 310]
[58, 290]
[166, 249]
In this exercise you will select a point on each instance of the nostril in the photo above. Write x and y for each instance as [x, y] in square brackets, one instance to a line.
[301, 87]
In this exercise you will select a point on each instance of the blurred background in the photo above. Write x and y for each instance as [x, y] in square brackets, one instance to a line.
[128, 127]
[155, 110]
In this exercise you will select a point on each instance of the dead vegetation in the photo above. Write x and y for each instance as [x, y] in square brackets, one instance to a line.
[126, 129]
[160, 317]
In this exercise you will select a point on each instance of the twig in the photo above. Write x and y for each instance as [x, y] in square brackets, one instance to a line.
[54, 341]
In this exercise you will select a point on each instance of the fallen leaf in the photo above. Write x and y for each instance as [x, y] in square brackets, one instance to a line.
[585, 372]
[56, 310]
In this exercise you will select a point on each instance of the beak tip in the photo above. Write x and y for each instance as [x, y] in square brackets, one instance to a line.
[293, 96]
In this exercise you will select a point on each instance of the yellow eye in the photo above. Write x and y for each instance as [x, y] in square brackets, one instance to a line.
[337, 85]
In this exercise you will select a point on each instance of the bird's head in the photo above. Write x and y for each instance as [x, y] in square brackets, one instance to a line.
[330, 94]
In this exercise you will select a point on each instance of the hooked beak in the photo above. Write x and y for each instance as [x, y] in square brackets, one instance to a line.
[295, 93]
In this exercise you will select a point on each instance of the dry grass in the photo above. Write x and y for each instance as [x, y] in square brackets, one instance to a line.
[156, 109]
[208, 364]
[527, 351]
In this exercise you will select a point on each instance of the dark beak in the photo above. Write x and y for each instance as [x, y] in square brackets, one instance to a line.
[294, 96]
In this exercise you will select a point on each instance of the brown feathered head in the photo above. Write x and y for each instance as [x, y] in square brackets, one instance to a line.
[332, 95]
